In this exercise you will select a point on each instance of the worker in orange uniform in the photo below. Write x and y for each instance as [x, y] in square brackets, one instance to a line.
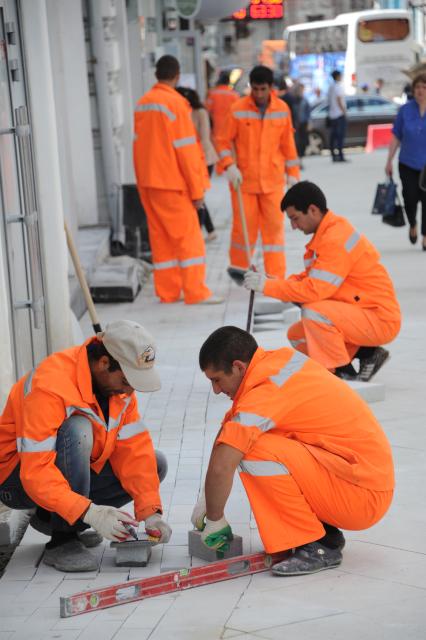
[171, 177]
[73, 447]
[311, 455]
[219, 101]
[260, 129]
[349, 306]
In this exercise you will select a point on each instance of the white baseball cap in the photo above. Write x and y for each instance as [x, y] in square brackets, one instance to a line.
[134, 349]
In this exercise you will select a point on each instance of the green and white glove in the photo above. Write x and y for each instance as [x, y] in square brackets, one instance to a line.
[199, 512]
[254, 280]
[217, 534]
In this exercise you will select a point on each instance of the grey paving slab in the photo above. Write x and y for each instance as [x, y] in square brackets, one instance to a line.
[378, 592]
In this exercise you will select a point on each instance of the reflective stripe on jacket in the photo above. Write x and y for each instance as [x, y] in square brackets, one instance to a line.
[340, 264]
[285, 393]
[166, 153]
[37, 406]
[264, 145]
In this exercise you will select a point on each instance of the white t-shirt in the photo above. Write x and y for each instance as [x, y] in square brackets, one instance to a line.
[335, 91]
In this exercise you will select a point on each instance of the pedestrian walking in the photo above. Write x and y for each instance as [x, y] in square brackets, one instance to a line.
[72, 445]
[171, 177]
[201, 120]
[311, 455]
[302, 110]
[409, 136]
[219, 101]
[348, 302]
[258, 154]
[337, 117]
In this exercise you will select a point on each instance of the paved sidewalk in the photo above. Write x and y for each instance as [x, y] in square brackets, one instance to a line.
[379, 592]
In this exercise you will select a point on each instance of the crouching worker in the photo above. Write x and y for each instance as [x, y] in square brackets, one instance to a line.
[73, 446]
[311, 456]
[348, 302]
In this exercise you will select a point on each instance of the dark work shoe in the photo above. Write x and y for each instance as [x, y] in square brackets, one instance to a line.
[370, 366]
[347, 372]
[90, 538]
[309, 558]
[70, 557]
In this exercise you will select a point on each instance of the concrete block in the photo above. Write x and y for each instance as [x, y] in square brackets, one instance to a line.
[369, 391]
[264, 306]
[199, 550]
[134, 553]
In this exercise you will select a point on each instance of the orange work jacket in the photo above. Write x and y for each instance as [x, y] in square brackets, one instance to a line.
[340, 264]
[166, 153]
[218, 102]
[285, 393]
[37, 406]
[265, 147]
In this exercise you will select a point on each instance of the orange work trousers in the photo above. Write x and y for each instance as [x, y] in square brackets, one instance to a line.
[262, 212]
[331, 332]
[291, 495]
[177, 245]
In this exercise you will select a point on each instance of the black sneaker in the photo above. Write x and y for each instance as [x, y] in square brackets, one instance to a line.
[370, 366]
[347, 372]
[309, 558]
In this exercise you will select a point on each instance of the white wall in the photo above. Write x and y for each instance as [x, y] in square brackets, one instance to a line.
[35, 37]
[77, 164]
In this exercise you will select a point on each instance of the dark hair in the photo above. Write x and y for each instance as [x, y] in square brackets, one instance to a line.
[420, 77]
[167, 68]
[224, 346]
[336, 74]
[223, 77]
[261, 75]
[302, 195]
[95, 351]
[192, 96]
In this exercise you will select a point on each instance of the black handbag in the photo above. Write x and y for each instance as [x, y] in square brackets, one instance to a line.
[384, 200]
[395, 219]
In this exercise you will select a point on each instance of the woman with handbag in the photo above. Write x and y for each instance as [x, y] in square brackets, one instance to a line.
[409, 133]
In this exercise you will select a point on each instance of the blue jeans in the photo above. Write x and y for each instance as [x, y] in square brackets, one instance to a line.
[74, 444]
[337, 136]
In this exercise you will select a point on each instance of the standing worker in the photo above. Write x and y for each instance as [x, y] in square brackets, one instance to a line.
[348, 302]
[310, 453]
[219, 101]
[260, 129]
[337, 117]
[171, 177]
[72, 445]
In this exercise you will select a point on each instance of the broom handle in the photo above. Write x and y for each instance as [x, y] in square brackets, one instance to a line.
[82, 280]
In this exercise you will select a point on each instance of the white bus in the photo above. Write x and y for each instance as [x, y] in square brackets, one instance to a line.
[365, 46]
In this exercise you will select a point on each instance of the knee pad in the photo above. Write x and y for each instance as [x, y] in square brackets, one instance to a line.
[162, 465]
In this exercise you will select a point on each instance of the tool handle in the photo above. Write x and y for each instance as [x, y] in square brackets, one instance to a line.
[82, 280]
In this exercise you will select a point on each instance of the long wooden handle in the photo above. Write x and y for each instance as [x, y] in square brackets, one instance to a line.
[82, 280]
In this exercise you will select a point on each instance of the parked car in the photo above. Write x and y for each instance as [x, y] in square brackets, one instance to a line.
[362, 110]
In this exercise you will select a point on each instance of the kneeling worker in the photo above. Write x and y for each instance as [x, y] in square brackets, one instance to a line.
[310, 453]
[348, 302]
[72, 445]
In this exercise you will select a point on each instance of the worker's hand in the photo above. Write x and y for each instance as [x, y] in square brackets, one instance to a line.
[198, 204]
[254, 281]
[217, 534]
[291, 181]
[158, 528]
[199, 512]
[389, 168]
[108, 521]
[233, 175]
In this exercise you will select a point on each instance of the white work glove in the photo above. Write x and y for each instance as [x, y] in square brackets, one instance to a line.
[291, 181]
[199, 512]
[255, 281]
[233, 175]
[158, 528]
[217, 534]
[108, 521]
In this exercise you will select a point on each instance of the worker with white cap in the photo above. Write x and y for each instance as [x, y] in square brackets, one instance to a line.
[73, 446]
